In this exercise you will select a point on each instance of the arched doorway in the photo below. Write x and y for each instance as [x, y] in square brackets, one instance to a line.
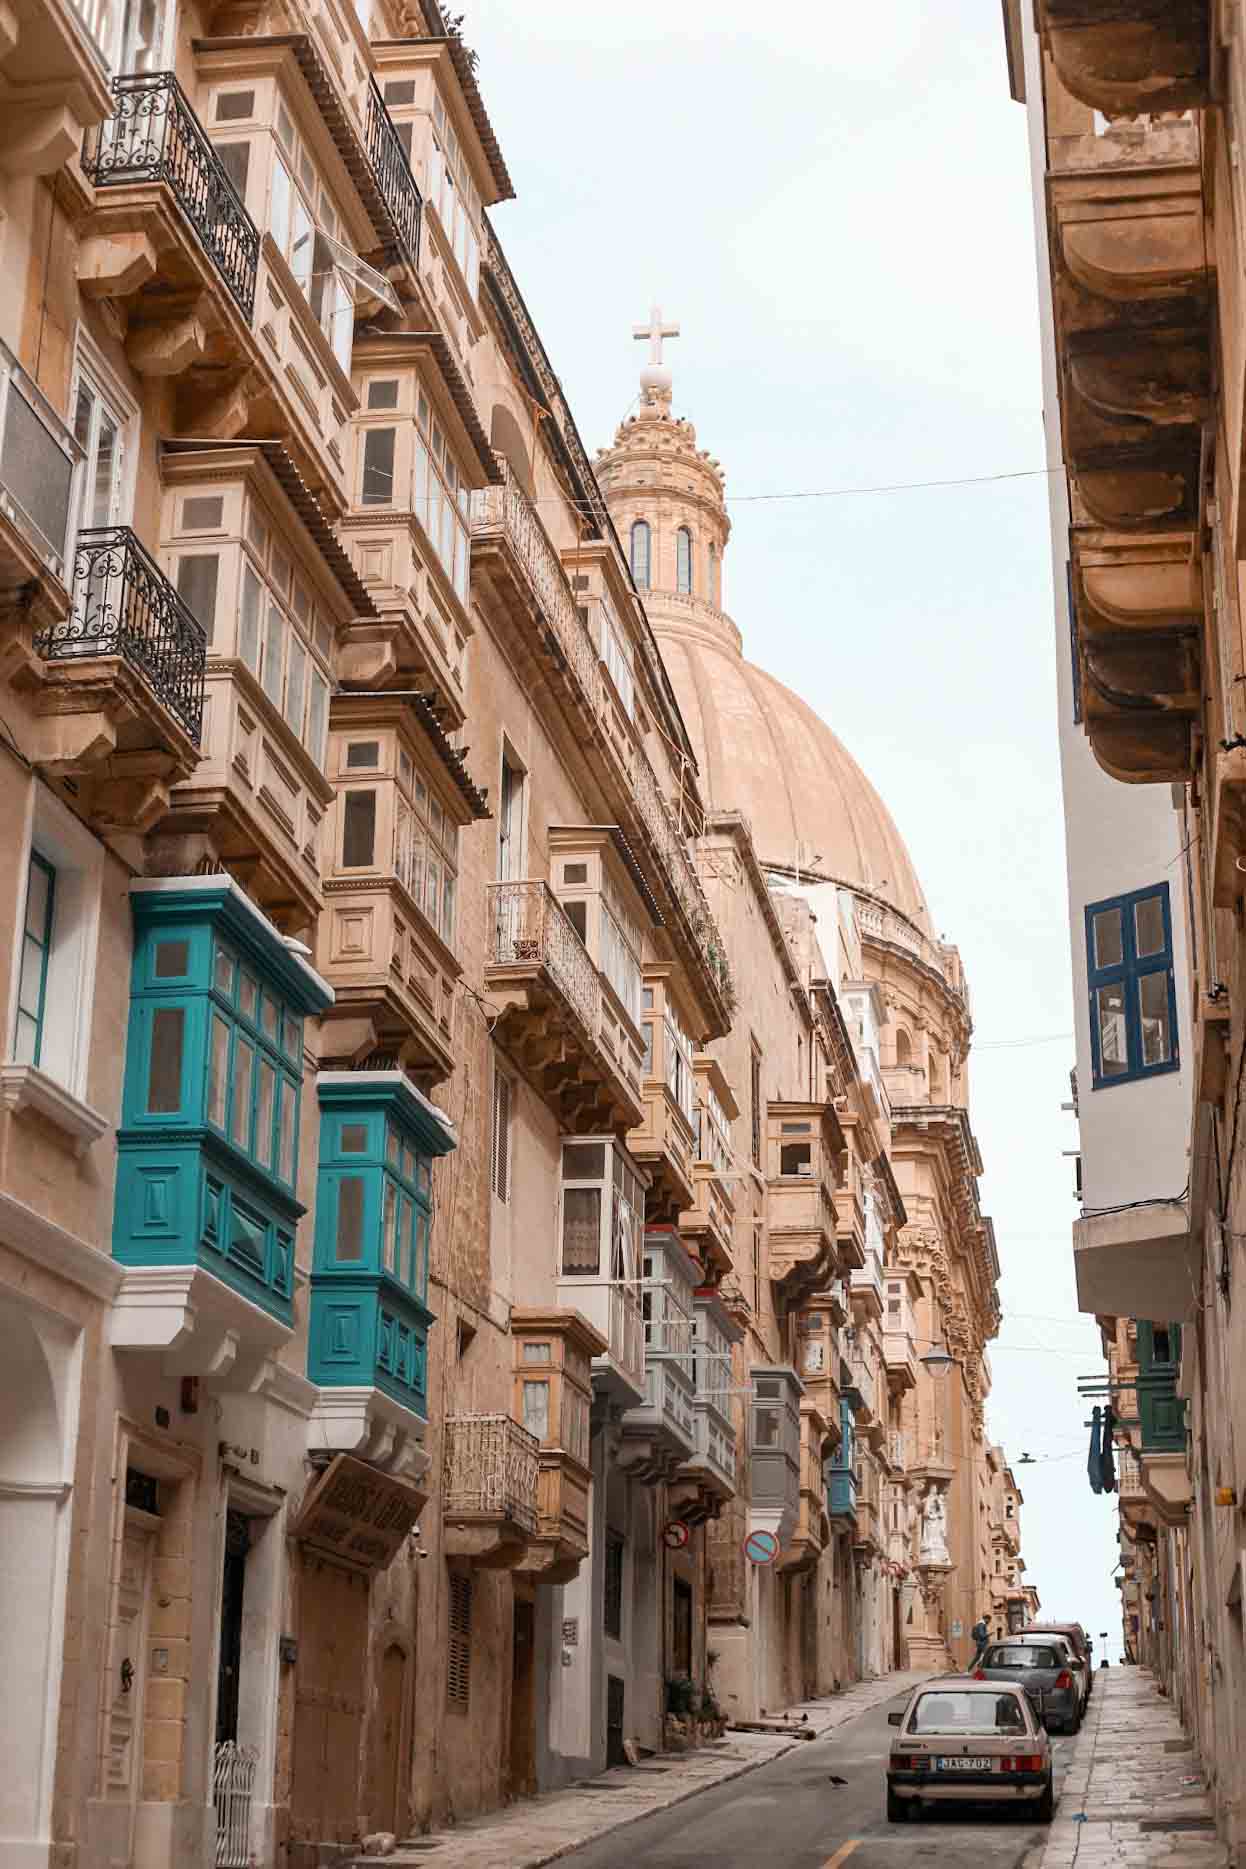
[34, 1525]
[390, 1752]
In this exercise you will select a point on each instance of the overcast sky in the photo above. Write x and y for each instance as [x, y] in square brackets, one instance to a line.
[834, 203]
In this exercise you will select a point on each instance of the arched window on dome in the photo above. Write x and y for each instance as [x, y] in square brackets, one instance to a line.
[711, 587]
[904, 1049]
[683, 561]
[640, 554]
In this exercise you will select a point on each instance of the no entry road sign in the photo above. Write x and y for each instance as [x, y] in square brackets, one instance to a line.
[761, 1547]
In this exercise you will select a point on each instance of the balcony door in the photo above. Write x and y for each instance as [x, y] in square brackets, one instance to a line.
[102, 430]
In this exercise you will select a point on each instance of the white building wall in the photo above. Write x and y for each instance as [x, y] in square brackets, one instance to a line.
[1118, 837]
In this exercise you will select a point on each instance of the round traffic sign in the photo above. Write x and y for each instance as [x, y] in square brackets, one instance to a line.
[674, 1534]
[761, 1547]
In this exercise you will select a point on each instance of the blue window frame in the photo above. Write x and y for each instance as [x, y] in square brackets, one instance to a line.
[254, 1065]
[640, 554]
[32, 987]
[1133, 1000]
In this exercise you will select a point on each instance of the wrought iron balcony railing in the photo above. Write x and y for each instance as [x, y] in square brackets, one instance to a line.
[393, 174]
[123, 605]
[491, 1470]
[531, 928]
[155, 136]
[506, 510]
[38, 464]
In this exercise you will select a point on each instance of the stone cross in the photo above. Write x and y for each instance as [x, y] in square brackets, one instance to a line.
[654, 331]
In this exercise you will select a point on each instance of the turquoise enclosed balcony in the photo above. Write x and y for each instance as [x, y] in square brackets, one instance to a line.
[368, 1334]
[841, 1472]
[207, 1206]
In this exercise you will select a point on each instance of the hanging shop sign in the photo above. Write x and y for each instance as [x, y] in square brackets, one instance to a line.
[358, 1514]
[761, 1547]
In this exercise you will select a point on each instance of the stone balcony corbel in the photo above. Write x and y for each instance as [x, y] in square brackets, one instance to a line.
[1132, 57]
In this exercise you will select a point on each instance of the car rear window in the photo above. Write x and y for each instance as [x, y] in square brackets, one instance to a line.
[962, 1711]
[1021, 1655]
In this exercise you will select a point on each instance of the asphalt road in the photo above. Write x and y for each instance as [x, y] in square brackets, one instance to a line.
[788, 1815]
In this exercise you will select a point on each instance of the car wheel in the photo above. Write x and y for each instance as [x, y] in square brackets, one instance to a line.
[896, 1809]
[1045, 1809]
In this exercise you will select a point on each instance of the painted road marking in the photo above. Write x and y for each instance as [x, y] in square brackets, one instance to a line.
[842, 1854]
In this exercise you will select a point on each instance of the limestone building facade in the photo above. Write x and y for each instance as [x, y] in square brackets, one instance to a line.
[462, 1170]
[1135, 122]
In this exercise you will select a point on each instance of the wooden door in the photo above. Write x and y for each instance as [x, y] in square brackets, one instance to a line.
[127, 1662]
[328, 1702]
[391, 1699]
[523, 1677]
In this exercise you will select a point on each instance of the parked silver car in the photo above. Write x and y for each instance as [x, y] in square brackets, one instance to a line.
[1044, 1668]
[964, 1740]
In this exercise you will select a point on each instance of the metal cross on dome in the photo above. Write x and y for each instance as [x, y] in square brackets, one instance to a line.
[654, 331]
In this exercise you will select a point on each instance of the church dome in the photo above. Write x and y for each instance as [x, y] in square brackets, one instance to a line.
[760, 749]
[763, 751]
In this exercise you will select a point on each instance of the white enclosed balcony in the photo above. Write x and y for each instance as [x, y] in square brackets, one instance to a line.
[660, 1434]
[601, 1232]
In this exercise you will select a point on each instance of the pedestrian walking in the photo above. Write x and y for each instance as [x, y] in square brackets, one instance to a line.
[981, 1634]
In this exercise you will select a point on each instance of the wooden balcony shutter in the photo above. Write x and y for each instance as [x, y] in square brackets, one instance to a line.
[459, 1660]
[501, 1134]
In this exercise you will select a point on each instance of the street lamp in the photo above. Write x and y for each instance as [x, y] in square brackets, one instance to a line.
[938, 1362]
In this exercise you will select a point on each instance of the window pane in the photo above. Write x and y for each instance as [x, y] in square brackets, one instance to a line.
[419, 1283]
[223, 972]
[172, 959]
[1149, 926]
[536, 1409]
[164, 1079]
[249, 621]
[240, 1115]
[406, 1241]
[316, 716]
[285, 1161]
[235, 159]
[38, 891]
[354, 1139]
[378, 467]
[218, 1071]
[270, 1014]
[30, 990]
[358, 830]
[279, 206]
[389, 1228]
[1156, 1029]
[1109, 938]
[25, 1039]
[292, 1037]
[248, 996]
[196, 586]
[581, 1232]
[301, 243]
[1109, 1002]
[272, 654]
[350, 1220]
[295, 681]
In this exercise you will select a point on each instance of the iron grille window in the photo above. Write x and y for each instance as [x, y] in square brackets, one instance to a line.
[612, 1612]
[501, 1134]
[1133, 1001]
[459, 1660]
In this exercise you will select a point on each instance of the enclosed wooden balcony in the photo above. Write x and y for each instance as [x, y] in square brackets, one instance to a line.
[118, 685]
[553, 1393]
[40, 471]
[899, 1337]
[388, 941]
[812, 1532]
[658, 1434]
[707, 1224]
[557, 1021]
[601, 1253]
[804, 1149]
[665, 1143]
[1131, 56]
[490, 1479]
[707, 1479]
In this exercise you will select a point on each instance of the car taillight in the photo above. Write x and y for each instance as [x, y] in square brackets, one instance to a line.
[1025, 1762]
[1064, 1681]
[901, 1762]
[979, 1675]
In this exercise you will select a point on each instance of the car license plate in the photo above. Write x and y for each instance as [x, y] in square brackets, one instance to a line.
[963, 1765]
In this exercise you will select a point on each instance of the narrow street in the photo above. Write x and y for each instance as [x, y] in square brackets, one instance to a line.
[790, 1815]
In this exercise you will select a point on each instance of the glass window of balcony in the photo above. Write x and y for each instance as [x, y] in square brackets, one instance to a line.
[450, 189]
[603, 1212]
[399, 826]
[597, 904]
[254, 1067]
[615, 651]
[412, 467]
[231, 565]
[713, 1130]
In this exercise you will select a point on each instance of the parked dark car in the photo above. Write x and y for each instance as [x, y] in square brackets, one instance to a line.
[1042, 1669]
[1077, 1639]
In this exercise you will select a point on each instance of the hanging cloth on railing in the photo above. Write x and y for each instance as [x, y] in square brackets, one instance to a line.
[1107, 1467]
[1094, 1465]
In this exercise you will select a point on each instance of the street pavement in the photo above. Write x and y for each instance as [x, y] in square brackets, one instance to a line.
[752, 1799]
[792, 1815]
